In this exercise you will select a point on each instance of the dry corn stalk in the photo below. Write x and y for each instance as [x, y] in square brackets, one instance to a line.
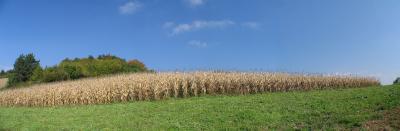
[157, 86]
[3, 82]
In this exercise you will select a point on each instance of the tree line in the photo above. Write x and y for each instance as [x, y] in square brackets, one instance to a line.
[27, 69]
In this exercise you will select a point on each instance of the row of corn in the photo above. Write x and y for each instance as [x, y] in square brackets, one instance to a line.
[157, 86]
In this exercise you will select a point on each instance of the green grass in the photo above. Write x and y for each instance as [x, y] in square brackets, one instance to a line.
[329, 109]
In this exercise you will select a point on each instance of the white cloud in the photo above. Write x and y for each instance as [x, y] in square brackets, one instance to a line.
[130, 7]
[252, 25]
[198, 44]
[196, 25]
[168, 24]
[195, 3]
[201, 24]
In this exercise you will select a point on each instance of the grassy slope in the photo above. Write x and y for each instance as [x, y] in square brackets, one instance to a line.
[346, 108]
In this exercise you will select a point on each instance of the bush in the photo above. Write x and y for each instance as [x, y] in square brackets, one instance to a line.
[109, 66]
[136, 66]
[89, 67]
[53, 74]
[37, 75]
[73, 71]
[12, 80]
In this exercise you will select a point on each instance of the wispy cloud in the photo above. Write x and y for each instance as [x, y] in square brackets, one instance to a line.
[168, 24]
[252, 25]
[194, 3]
[199, 44]
[197, 25]
[130, 7]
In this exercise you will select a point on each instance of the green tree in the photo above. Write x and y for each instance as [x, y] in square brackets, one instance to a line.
[52, 74]
[136, 66]
[66, 60]
[23, 68]
[2, 74]
[90, 57]
[109, 57]
[37, 75]
[397, 81]
[74, 71]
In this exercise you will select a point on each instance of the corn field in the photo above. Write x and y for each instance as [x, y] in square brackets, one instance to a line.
[157, 86]
[3, 82]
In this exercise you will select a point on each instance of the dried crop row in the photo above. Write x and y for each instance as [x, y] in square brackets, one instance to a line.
[3, 82]
[157, 86]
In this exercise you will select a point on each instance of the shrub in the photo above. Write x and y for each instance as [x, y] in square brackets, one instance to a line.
[37, 75]
[12, 80]
[73, 71]
[89, 67]
[108, 66]
[53, 74]
[136, 66]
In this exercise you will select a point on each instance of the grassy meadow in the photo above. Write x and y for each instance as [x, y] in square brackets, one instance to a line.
[337, 109]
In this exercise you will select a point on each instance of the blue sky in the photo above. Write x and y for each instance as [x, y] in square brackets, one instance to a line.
[325, 36]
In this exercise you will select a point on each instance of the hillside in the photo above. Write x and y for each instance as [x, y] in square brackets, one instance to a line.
[356, 108]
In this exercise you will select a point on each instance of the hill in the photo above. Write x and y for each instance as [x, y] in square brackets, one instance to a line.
[340, 109]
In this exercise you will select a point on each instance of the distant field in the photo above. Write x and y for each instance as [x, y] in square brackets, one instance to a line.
[3, 82]
[373, 108]
[158, 86]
